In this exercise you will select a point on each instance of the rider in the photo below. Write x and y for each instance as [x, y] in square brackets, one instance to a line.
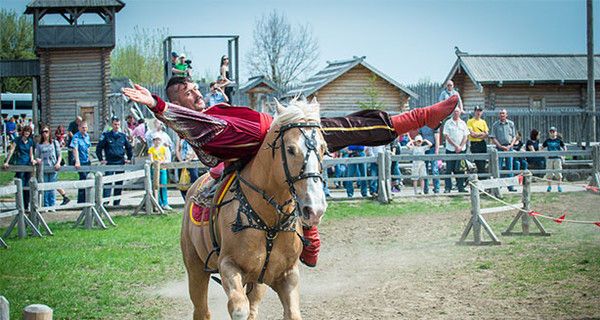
[223, 133]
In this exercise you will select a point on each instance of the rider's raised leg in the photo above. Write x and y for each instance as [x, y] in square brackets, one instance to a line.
[429, 116]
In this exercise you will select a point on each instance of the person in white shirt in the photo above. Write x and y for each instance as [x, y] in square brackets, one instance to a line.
[456, 134]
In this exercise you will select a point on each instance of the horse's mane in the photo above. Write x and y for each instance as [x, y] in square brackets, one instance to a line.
[298, 109]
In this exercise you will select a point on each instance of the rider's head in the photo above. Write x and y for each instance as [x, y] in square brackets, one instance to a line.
[184, 92]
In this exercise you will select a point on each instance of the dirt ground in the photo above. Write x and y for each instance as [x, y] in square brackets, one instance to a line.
[405, 267]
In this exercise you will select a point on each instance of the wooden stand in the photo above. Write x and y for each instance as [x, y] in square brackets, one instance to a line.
[149, 203]
[525, 217]
[21, 221]
[477, 221]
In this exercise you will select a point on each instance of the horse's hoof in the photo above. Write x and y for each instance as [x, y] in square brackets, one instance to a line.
[239, 314]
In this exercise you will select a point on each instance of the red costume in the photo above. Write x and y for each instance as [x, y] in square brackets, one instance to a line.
[227, 133]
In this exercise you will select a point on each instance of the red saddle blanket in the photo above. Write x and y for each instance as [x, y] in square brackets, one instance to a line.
[200, 215]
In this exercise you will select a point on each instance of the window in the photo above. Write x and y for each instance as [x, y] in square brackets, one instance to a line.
[537, 103]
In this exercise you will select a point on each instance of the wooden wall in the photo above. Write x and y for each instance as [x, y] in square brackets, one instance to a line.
[75, 82]
[343, 94]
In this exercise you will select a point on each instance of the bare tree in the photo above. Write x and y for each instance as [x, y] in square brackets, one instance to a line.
[280, 52]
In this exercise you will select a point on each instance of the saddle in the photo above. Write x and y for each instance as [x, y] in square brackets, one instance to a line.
[208, 195]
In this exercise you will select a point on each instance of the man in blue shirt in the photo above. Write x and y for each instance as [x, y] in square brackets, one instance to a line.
[81, 152]
[432, 136]
[115, 145]
[216, 95]
[358, 169]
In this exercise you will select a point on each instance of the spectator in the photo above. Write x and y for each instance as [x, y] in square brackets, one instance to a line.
[456, 134]
[504, 135]
[433, 136]
[183, 66]
[374, 168]
[356, 169]
[418, 166]
[81, 153]
[131, 123]
[478, 134]
[48, 152]
[157, 152]
[115, 146]
[226, 77]
[533, 144]
[11, 129]
[60, 135]
[325, 178]
[554, 143]
[340, 169]
[174, 71]
[216, 94]
[23, 146]
[185, 153]
[138, 135]
[30, 124]
[519, 163]
[449, 91]
[164, 138]
[71, 131]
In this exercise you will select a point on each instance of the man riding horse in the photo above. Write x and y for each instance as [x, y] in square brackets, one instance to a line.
[227, 134]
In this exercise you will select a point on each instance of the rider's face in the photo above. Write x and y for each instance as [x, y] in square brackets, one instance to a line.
[189, 96]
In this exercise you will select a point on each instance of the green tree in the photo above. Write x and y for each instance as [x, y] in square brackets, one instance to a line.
[372, 92]
[280, 52]
[139, 57]
[16, 42]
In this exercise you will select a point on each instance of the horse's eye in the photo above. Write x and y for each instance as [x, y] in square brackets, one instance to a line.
[291, 151]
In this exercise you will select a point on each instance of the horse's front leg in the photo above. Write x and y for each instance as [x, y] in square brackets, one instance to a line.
[288, 289]
[231, 277]
[255, 293]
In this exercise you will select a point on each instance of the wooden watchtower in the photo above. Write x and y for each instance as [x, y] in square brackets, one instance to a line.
[73, 39]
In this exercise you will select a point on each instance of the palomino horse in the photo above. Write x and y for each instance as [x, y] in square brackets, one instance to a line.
[258, 226]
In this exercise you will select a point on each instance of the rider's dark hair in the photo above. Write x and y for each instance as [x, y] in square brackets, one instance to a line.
[171, 93]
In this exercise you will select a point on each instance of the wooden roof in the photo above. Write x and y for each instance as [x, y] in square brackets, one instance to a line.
[336, 69]
[58, 6]
[532, 68]
[256, 81]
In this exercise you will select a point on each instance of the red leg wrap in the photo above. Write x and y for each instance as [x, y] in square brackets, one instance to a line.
[310, 254]
[428, 116]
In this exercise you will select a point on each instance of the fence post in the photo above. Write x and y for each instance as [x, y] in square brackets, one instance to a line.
[526, 198]
[34, 201]
[4, 309]
[21, 208]
[381, 178]
[98, 194]
[89, 197]
[148, 187]
[495, 170]
[37, 312]
[595, 166]
[156, 179]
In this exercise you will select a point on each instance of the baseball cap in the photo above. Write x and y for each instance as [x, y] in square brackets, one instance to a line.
[553, 128]
[418, 138]
[478, 108]
[174, 54]
[156, 136]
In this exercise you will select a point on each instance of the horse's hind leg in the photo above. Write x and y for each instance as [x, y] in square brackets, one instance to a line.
[231, 276]
[255, 293]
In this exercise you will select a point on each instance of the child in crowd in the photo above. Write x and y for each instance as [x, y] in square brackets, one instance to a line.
[157, 152]
[554, 143]
[418, 166]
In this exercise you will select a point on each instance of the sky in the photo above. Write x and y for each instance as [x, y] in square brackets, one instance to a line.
[407, 40]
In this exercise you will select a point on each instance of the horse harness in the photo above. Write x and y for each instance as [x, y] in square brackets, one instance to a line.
[286, 221]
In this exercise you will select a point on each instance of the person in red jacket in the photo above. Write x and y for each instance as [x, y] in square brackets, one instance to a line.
[224, 133]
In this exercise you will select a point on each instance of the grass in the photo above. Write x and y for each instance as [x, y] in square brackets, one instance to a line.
[109, 274]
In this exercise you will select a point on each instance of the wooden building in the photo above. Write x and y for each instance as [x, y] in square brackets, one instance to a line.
[535, 82]
[538, 90]
[261, 92]
[74, 59]
[341, 85]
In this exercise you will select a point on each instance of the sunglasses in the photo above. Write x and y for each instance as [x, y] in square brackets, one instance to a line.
[45, 131]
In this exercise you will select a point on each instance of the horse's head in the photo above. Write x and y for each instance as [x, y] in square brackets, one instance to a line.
[302, 147]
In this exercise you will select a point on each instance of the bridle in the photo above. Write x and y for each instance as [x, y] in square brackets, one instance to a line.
[310, 142]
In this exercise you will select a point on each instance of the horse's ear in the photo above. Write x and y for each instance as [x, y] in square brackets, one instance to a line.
[314, 101]
[315, 104]
[280, 108]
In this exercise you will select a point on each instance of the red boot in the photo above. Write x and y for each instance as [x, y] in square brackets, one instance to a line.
[429, 116]
[310, 254]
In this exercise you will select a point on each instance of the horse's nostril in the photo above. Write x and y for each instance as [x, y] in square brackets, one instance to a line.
[306, 213]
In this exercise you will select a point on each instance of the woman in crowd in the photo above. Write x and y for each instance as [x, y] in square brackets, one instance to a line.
[48, 152]
[60, 135]
[23, 150]
[226, 78]
[533, 144]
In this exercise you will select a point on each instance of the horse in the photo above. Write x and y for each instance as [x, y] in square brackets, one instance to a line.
[254, 239]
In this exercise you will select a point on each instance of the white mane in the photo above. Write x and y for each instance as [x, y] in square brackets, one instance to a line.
[297, 109]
